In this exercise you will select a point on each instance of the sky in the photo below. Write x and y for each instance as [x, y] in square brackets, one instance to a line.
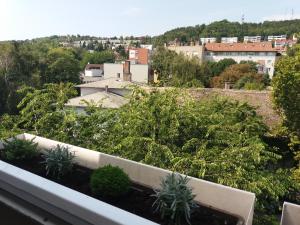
[27, 19]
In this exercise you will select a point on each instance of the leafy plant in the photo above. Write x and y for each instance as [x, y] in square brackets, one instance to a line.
[18, 150]
[109, 181]
[59, 161]
[175, 199]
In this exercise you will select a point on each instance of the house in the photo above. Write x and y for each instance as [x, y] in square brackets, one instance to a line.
[139, 55]
[93, 70]
[277, 37]
[208, 40]
[261, 52]
[140, 73]
[229, 40]
[252, 39]
[189, 51]
[104, 99]
[282, 45]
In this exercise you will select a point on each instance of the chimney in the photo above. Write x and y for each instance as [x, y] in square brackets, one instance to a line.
[126, 71]
[106, 88]
[118, 75]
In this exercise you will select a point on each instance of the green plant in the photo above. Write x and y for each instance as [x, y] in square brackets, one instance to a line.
[58, 161]
[18, 150]
[109, 181]
[175, 199]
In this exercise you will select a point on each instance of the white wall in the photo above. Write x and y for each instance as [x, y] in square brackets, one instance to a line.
[87, 90]
[93, 73]
[112, 69]
[269, 59]
[290, 214]
[139, 73]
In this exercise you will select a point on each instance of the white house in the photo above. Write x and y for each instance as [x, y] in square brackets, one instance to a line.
[252, 39]
[93, 70]
[277, 37]
[229, 39]
[262, 52]
[208, 40]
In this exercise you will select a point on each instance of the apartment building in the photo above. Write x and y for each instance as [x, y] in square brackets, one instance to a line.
[208, 40]
[262, 52]
[139, 55]
[229, 39]
[189, 51]
[252, 39]
[277, 37]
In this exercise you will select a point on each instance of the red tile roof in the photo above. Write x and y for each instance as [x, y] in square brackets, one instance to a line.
[240, 47]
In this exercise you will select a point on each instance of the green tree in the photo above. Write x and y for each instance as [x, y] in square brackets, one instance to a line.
[61, 66]
[97, 58]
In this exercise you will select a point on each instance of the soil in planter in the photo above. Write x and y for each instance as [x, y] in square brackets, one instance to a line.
[137, 201]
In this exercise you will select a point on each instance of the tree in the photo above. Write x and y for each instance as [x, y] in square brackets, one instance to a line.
[38, 106]
[236, 72]
[97, 58]
[61, 66]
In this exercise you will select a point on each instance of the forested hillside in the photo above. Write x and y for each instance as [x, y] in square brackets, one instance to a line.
[225, 28]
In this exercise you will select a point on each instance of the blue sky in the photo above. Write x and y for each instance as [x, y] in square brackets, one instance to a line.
[26, 19]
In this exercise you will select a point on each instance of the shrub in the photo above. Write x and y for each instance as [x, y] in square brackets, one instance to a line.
[109, 181]
[18, 150]
[58, 161]
[253, 86]
[175, 200]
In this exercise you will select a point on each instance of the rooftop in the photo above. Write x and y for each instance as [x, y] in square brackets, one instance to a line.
[110, 82]
[240, 47]
[105, 99]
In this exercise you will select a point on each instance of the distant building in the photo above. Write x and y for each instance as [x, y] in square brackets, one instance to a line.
[252, 39]
[229, 40]
[277, 37]
[282, 45]
[208, 40]
[189, 51]
[263, 53]
[139, 55]
[149, 47]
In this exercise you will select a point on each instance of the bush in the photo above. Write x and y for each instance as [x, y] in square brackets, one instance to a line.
[175, 200]
[253, 86]
[59, 161]
[109, 181]
[18, 150]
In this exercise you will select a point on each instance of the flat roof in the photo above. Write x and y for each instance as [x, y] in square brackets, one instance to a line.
[101, 98]
[110, 82]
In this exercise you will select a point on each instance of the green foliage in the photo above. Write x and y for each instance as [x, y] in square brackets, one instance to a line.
[38, 105]
[61, 66]
[253, 86]
[177, 70]
[239, 75]
[97, 58]
[175, 199]
[286, 91]
[58, 161]
[8, 126]
[19, 150]
[109, 181]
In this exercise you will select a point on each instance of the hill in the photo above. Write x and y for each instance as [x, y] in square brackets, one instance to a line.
[225, 28]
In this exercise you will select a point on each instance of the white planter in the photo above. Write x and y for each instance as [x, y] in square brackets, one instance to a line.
[229, 200]
[290, 214]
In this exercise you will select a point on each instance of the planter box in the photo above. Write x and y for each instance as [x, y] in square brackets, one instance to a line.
[229, 200]
[290, 214]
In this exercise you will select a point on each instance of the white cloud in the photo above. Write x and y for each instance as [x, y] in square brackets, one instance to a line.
[132, 11]
[281, 17]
